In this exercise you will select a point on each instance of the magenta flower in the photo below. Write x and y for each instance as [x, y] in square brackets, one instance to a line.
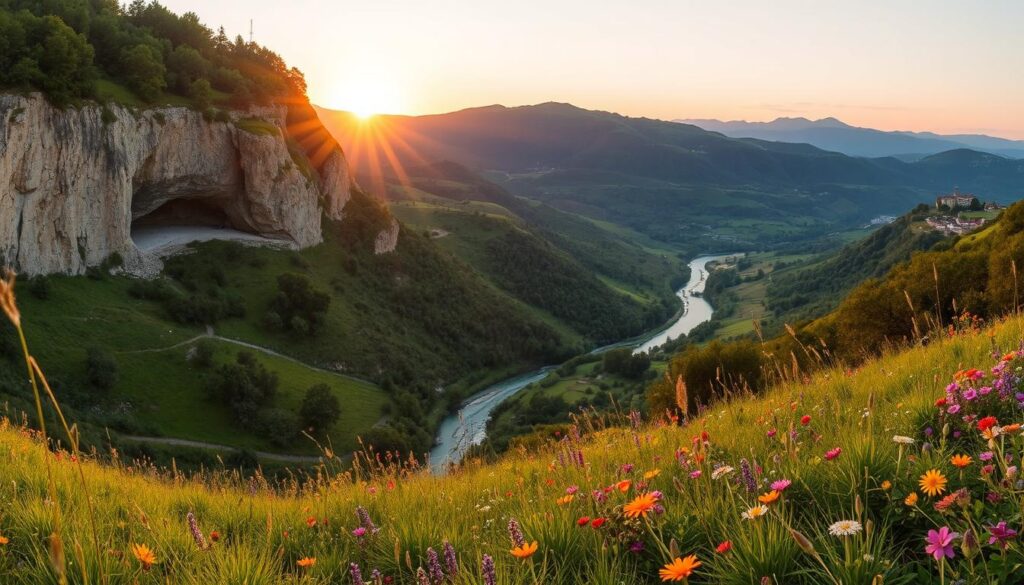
[1001, 534]
[780, 485]
[940, 543]
[970, 394]
[359, 532]
[695, 474]
[953, 409]
[832, 453]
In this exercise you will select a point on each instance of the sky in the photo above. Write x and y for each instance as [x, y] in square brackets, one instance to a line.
[947, 66]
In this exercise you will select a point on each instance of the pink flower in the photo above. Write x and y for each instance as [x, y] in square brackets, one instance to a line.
[359, 532]
[695, 474]
[781, 485]
[832, 453]
[940, 543]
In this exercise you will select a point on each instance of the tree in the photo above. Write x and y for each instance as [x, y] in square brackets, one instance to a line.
[202, 93]
[101, 368]
[320, 408]
[245, 386]
[299, 306]
[144, 71]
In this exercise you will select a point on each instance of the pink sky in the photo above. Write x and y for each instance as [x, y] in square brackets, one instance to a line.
[941, 65]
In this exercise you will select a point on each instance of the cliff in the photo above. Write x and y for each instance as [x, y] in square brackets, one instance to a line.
[74, 182]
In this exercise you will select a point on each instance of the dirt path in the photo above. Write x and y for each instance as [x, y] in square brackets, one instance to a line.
[203, 445]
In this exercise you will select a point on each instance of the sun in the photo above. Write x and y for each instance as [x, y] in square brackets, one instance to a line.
[366, 96]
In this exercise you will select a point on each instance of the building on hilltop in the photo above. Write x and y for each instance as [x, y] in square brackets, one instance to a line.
[957, 200]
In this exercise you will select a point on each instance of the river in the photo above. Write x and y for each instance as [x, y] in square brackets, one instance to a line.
[469, 425]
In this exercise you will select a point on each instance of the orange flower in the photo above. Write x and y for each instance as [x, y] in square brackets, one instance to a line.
[311, 521]
[886, 485]
[680, 568]
[526, 551]
[144, 555]
[911, 499]
[4, 540]
[960, 461]
[624, 485]
[215, 536]
[933, 482]
[564, 500]
[1011, 428]
[306, 562]
[641, 506]
[652, 474]
[769, 498]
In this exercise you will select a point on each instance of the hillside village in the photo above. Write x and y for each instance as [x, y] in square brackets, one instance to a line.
[961, 213]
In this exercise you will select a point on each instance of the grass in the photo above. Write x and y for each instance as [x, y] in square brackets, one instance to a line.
[257, 126]
[95, 512]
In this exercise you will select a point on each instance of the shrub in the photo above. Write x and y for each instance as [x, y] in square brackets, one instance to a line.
[278, 425]
[299, 306]
[320, 408]
[39, 287]
[245, 387]
[101, 368]
[202, 354]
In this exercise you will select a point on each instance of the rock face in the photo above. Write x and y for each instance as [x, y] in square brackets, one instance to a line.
[72, 182]
[387, 240]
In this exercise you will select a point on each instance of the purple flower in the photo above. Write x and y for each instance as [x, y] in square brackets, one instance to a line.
[928, 432]
[450, 561]
[434, 567]
[953, 409]
[780, 485]
[490, 578]
[355, 573]
[364, 520]
[748, 476]
[637, 547]
[940, 543]
[627, 468]
[970, 394]
[1002, 534]
[515, 533]
[599, 496]
[986, 456]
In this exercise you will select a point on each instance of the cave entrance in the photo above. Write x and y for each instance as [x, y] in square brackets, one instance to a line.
[180, 221]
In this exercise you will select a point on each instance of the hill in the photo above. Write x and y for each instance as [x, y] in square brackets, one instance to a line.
[835, 135]
[675, 182]
[804, 484]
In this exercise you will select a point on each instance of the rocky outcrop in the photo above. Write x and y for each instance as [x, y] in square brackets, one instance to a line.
[387, 239]
[73, 181]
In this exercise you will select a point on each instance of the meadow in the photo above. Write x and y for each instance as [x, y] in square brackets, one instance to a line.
[903, 470]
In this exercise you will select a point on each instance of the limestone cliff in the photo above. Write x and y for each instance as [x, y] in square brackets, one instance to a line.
[73, 181]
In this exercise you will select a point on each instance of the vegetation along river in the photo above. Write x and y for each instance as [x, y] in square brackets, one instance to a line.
[468, 426]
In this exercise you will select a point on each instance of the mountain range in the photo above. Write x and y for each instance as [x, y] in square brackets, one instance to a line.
[835, 135]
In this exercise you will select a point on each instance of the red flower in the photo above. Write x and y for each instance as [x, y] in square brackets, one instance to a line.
[805, 419]
[598, 522]
[311, 521]
[704, 436]
[940, 402]
[724, 547]
[583, 521]
[215, 536]
[987, 423]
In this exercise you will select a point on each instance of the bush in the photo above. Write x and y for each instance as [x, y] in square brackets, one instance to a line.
[245, 387]
[299, 306]
[624, 363]
[101, 368]
[39, 287]
[320, 408]
[277, 425]
[202, 354]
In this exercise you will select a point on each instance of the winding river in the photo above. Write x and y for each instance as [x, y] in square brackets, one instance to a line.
[469, 425]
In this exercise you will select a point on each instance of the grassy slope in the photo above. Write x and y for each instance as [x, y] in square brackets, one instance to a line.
[264, 534]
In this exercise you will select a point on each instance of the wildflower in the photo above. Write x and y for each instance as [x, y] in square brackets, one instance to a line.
[780, 485]
[311, 521]
[624, 485]
[193, 527]
[933, 482]
[769, 498]
[637, 547]
[598, 522]
[720, 471]
[987, 423]
[434, 566]
[940, 543]
[805, 420]
[365, 521]
[571, 490]
[886, 485]
[421, 577]
[680, 568]
[723, 547]
[4, 540]
[525, 551]
[451, 562]
[516, 533]
[755, 512]
[901, 440]
[306, 562]
[359, 532]
[986, 456]
[487, 568]
[145, 556]
[991, 433]
[214, 536]
[832, 453]
[356, 574]
[1001, 534]
[640, 506]
[748, 476]
[695, 474]
[911, 499]
[845, 528]
[953, 409]
[960, 461]
[564, 500]
[652, 474]
[583, 521]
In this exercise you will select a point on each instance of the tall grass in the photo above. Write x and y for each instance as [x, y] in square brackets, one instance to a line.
[69, 518]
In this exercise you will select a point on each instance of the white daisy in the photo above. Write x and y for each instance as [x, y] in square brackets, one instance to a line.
[720, 471]
[755, 512]
[845, 528]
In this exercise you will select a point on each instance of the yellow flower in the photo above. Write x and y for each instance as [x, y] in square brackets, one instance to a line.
[679, 568]
[641, 506]
[769, 498]
[564, 500]
[526, 551]
[144, 555]
[933, 482]
[911, 499]
[306, 562]
[960, 461]
[652, 474]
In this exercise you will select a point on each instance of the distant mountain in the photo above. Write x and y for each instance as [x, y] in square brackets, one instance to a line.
[671, 181]
[832, 134]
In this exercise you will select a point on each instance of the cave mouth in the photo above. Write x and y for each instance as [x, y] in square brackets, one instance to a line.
[186, 219]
